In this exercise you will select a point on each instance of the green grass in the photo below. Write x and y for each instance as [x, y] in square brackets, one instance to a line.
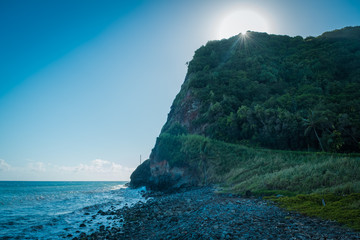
[239, 168]
[302, 177]
[343, 209]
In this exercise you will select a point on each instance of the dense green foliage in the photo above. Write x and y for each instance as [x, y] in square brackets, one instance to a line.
[239, 168]
[277, 92]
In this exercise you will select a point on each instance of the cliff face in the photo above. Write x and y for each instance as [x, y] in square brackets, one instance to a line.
[140, 177]
[159, 172]
[271, 91]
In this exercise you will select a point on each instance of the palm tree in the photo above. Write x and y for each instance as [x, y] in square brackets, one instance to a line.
[315, 121]
[203, 163]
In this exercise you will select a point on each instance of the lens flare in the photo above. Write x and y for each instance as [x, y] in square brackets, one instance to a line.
[240, 22]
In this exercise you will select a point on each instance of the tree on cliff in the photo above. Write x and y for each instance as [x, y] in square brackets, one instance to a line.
[260, 92]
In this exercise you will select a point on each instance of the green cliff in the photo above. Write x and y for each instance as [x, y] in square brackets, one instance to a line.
[248, 94]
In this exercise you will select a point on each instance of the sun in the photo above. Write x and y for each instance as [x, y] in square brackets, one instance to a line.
[242, 21]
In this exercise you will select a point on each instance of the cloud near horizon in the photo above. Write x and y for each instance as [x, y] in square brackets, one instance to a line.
[96, 166]
[4, 166]
[96, 170]
[36, 166]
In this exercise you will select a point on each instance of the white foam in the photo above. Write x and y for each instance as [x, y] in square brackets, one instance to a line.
[65, 209]
[117, 187]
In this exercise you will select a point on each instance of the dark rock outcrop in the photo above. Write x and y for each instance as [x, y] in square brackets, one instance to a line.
[159, 176]
[167, 178]
[141, 175]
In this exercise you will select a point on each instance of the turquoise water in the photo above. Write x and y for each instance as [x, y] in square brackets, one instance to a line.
[53, 210]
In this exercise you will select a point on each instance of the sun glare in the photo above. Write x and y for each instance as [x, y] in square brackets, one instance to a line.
[240, 22]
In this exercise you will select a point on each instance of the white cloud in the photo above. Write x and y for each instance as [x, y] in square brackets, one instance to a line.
[4, 166]
[96, 170]
[99, 169]
[37, 166]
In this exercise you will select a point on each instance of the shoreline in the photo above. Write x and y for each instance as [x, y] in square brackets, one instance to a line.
[59, 210]
[203, 214]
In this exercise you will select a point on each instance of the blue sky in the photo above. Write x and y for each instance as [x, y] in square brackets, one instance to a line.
[85, 86]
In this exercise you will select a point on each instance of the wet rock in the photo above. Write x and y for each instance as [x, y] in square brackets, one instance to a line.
[101, 212]
[202, 214]
[102, 228]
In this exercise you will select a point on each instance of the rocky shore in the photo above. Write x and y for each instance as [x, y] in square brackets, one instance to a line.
[203, 214]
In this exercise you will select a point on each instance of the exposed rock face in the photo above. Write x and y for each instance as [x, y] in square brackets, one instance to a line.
[184, 113]
[141, 175]
[166, 178]
[159, 176]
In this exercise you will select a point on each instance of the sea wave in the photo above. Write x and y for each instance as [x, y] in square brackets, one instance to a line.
[59, 210]
[117, 187]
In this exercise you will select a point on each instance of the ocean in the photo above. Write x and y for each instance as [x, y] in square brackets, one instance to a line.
[55, 210]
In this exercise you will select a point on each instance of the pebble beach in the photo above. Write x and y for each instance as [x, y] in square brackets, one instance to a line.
[203, 214]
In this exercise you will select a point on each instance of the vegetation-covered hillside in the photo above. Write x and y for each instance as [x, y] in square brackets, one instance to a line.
[247, 94]
[274, 91]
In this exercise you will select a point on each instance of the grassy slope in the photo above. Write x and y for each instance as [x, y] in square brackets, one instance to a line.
[342, 208]
[332, 177]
